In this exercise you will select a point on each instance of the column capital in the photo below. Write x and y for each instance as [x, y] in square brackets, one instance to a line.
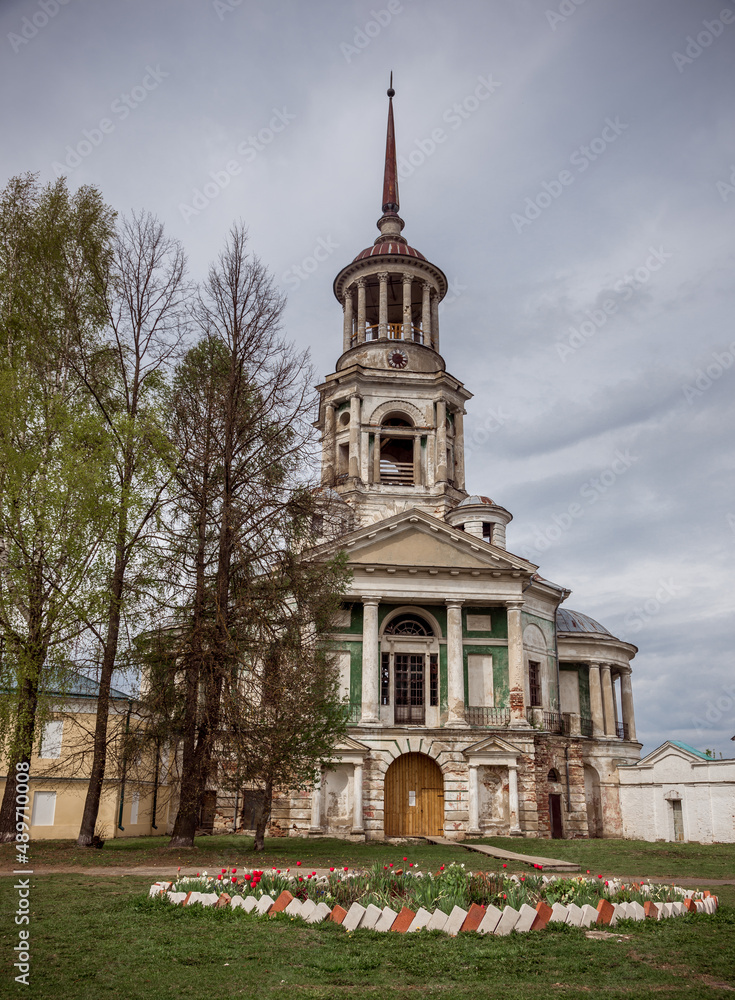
[383, 275]
[371, 600]
[514, 605]
[360, 282]
[453, 602]
[407, 278]
[427, 285]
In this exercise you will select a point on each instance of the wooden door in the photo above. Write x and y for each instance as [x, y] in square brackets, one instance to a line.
[557, 829]
[414, 797]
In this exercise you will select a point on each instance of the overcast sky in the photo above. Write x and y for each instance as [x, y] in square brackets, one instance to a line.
[569, 165]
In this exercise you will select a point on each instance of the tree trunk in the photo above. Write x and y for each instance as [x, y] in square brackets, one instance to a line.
[264, 818]
[23, 742]
[99, 759]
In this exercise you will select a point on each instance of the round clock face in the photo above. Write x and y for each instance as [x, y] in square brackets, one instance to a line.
[397, 359]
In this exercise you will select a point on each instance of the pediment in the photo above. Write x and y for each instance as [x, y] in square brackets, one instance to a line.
[347, 743]
[667, 750]
[416, 539]
[491, 745]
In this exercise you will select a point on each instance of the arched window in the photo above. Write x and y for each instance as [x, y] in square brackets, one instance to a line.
[409, 624]
[397, 421]
[553, 775]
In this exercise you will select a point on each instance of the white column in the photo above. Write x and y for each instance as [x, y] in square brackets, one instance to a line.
[513, 809]
[459, 449]
[354, 464]
[370, 665]
[360, 310]
[316, 806]
[407, 325]
[376, 457]
[441, 441]
[383, 305]
[607, 699]
[598, 724]
[328, 446]
[516, 680]
[357, 826]
[626, 697]
[426, 312]
[474, 802]
[348, 321]
[455, 665]
[434, 322]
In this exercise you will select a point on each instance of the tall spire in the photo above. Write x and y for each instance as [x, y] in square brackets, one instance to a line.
[390, 176]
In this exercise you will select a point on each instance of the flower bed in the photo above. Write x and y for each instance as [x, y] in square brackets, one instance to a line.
[451, 890]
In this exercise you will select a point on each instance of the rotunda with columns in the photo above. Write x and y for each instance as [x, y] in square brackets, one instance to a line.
[478, 705]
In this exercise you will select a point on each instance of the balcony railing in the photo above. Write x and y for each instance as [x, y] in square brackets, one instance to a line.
[409, 715]
[396, 473]
[585, 725]
[480, 716]
[621, 730]
[549, 722]
[395, 331]
[353, 711]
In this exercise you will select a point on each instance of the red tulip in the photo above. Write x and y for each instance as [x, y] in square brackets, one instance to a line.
[346, 869]
[390, 865]
[405, 859]
[331, 869]
[219, 877]
[599, 876]
[505, 866]
[234, 870]
[224, 871]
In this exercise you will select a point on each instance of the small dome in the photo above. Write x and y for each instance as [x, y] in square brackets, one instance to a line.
[401, 249]
[475, 499]
[575, 621]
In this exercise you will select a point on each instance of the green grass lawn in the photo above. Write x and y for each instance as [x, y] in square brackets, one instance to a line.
[610, 857]
[631, 857]
[101, 938]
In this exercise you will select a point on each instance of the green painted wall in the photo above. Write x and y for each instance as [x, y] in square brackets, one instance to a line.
[498, 617]
[355, 626]
[549, 630]
[443, 680]
[583, 676]
[501, 686]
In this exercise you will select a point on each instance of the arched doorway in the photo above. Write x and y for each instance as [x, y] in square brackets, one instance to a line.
[414, 797]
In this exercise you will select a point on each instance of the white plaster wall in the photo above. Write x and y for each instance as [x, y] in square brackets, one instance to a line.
[706, 791]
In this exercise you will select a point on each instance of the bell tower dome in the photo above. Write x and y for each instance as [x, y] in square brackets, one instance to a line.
[391, 416]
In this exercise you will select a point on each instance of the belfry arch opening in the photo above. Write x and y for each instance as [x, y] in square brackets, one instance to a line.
[414, 797]
[399, 451]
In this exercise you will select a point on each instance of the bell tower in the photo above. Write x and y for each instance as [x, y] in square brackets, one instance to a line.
[390, 416]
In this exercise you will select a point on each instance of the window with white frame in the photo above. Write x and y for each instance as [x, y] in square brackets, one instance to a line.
[44, 807]
[51, 740]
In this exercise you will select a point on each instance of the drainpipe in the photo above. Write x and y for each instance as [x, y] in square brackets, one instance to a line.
[234, 818]
[566, 765]
[124, 767]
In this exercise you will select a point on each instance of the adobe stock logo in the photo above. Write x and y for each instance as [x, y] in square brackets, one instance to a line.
[581, 158]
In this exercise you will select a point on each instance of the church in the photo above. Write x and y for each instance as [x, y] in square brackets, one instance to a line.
[479, 705]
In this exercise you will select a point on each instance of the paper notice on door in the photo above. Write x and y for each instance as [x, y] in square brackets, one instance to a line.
[412, 798]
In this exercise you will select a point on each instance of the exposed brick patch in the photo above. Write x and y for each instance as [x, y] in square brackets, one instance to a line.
[605, 911]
